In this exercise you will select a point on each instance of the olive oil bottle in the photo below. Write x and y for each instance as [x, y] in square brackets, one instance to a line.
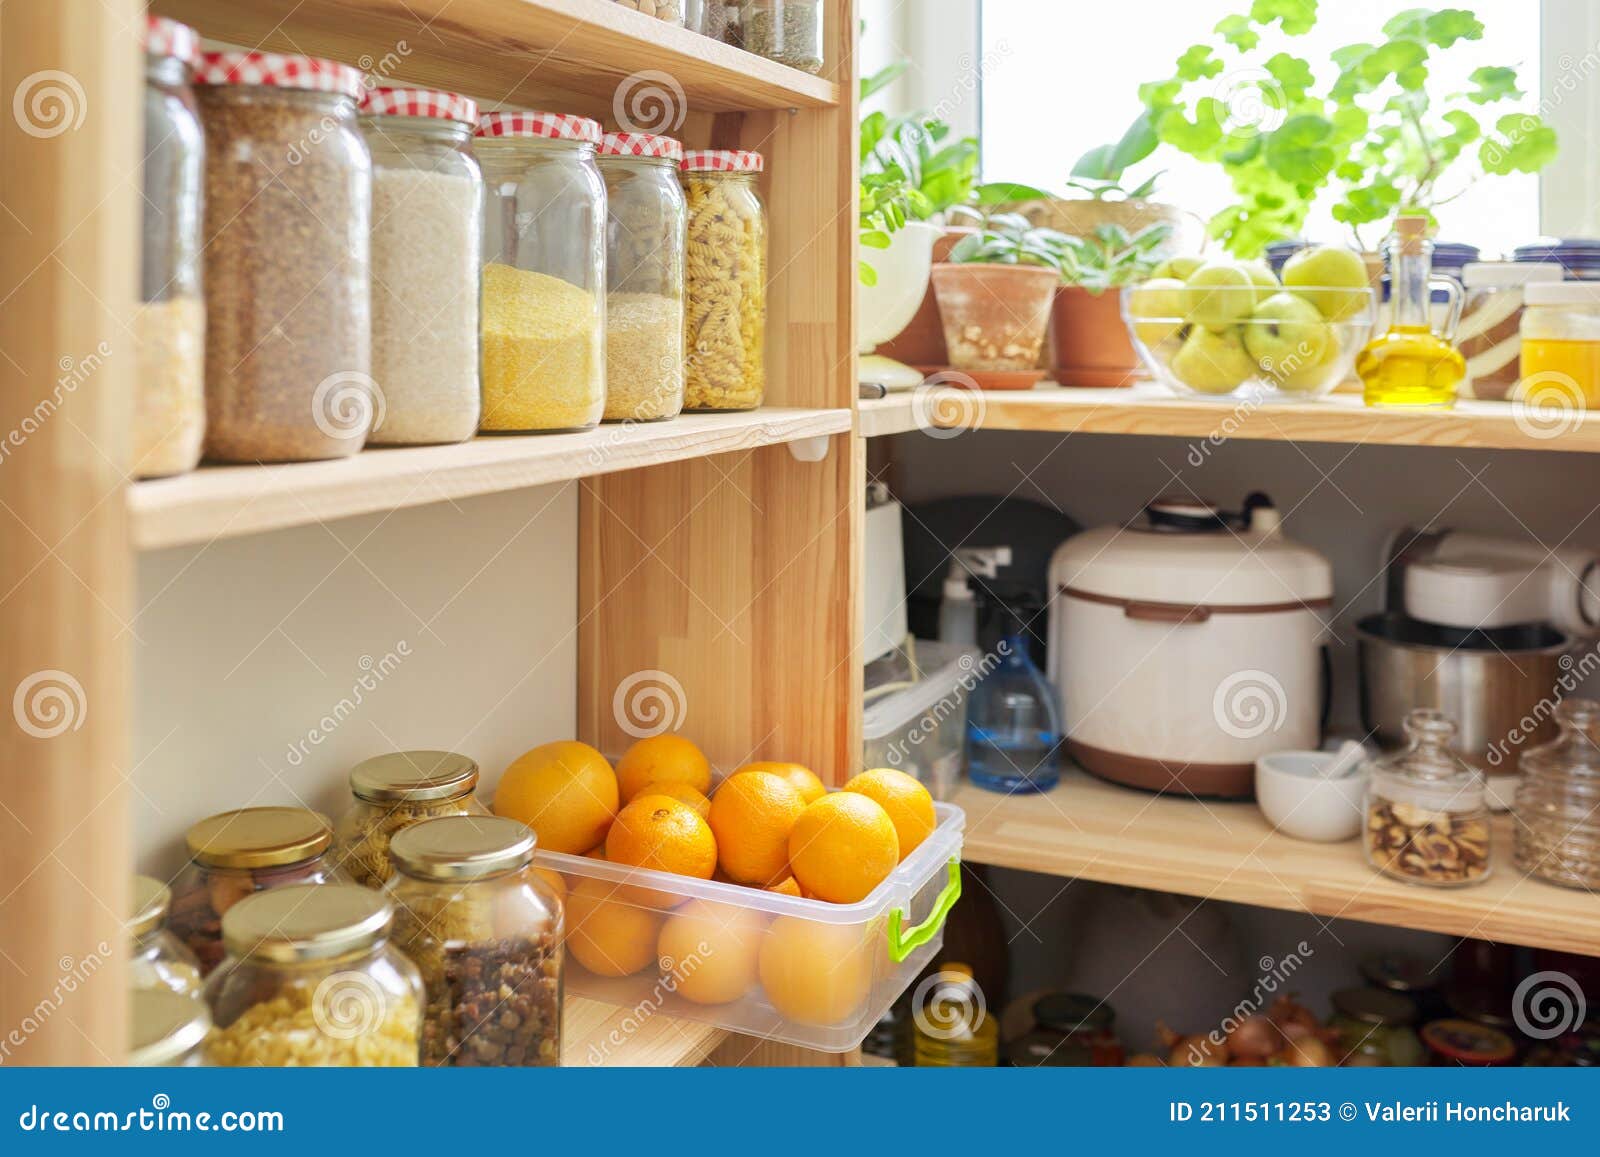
[1410, 365]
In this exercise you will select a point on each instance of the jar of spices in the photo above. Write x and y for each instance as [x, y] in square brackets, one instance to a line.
[158, 959]
[788, 31]
[1085, 1021]
[726, 281]
[1427, 811]
[427, 227]
[485, 929]
[235, 854]
[311, 979]
[1560, 362]
[1375, 1029]
[166, 1029]
[393, 792]
[707, 17]
[544, 274]
[288, 282]
[169, 329]
[1489, 335]
[1463, 1043]
[1557, 804]
[645, 220]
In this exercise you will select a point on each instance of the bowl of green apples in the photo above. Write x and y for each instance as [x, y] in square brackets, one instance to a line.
[1217, 328]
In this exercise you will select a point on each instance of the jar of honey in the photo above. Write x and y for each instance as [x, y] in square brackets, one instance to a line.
[1561, 344]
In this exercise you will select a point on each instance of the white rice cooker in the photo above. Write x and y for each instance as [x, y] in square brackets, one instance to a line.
[1187, 644]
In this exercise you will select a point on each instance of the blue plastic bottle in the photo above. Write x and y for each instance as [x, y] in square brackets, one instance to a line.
[1013, 725]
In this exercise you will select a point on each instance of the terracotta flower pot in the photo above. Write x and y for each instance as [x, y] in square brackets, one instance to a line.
[995, 316]
[1089, 342]
[921, 343]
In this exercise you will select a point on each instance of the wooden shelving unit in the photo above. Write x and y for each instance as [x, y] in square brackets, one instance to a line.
[596, 1035]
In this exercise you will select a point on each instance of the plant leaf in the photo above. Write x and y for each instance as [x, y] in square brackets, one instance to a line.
[1236, 30]
[1197, 63]
[1292, 74]
[1003, 192]
[875, 239]
[1493, 83]
[1095, 165]
[1524, 144]
[867, 274]
[883, 78]
[1449, 25]
[1296, 17]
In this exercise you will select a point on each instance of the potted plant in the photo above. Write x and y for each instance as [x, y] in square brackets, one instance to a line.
[1089, 345]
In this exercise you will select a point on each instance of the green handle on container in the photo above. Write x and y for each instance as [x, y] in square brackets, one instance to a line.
[903, 944]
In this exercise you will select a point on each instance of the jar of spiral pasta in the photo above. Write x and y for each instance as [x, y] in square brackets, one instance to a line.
[158, 959]
[725, 277]
[644, 276]
[544, 273]
[393, 792]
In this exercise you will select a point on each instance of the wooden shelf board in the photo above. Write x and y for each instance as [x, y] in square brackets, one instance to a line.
[1092, 830]
[596, 1035]
[228, 501]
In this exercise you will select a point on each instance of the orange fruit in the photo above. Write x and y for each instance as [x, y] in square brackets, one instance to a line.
[842, 847]
[709, 951]
[786, 887]
[816, 973]
[662, 759]
[598, 852]
[681, 792]
[664, 835]
[566, 792]
[751, 816]
[605, 934]
[908, 803]
[802, 779]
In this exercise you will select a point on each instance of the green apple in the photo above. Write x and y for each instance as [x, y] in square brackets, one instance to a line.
[1157, 306]
[1262, 277]
[1286, 335]
[1178, 267]
[1212, 361]
[1327, 267]
[1218, 294]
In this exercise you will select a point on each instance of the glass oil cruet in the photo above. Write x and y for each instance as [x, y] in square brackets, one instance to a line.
[1411, 365]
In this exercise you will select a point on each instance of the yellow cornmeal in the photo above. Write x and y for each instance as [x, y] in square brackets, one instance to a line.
[543, 362]
[283, 1033]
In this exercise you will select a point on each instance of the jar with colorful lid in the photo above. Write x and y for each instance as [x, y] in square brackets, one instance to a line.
[1082, 1020]
[485, 928]
[1375, 1029]
[788, 31]
[288, 238]
[158, 959]
[544, 273]
[1557, 805]
[166, 1029]
[235, 854]
[392, 792]
[1427, 811]
[1578, 258]
[726, 281]
[427, 230]
[311, 979]
[169, 329]
[1464, 1043]
[645, 220]
[1560, 363]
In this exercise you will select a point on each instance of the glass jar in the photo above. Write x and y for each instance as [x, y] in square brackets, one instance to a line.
[544, 274]
[169, 329]
[427, 228]
[166, 1029]
[288, 235]
[669, 10]
[1413, 977]
[1375, 1029]
[788, 31]
[726, 281]
[311, 979]
[158, 959]
[393, 792]
[235, 854]
[645, 220]
[1427, 811]
[1490, 332]
[707, 17]
[1560, 345]
[485, 929]
[1578, 258]
[1558, 801]
[1461, 1043]
[1082, 1022]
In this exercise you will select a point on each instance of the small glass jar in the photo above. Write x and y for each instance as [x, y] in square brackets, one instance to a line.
[1082, 1021]
[427, 230]
[669, 10]
[169, 411]
[726, 281]
[235, 854]
[166, 1029]
[645, 220]
[788, 31]
[1461, 1043]
[1560, 362]
[1557, 805]
[288, 230]
[1427, 811]
[1490, 331]
[544, 273]
[1375, 1029]
[393, 792]
[707, 17]
[485, 929]
[312, 980]
[158, 959]
[1413, 977]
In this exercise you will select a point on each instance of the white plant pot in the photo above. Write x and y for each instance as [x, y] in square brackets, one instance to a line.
[884, 309]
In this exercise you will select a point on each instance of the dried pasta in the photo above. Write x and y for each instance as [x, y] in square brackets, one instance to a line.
[726, 274]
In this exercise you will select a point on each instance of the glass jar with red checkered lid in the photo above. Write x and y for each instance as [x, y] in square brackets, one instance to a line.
[725, 275]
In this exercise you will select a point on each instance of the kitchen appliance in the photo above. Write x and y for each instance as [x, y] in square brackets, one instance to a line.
[1187, 644]
[883, 601]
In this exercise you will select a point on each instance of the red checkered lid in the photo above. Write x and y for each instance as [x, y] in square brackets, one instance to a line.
[640, 145]
[279, 71]
[419, 102]
[722, 161]
[554, 125]
[163, 37]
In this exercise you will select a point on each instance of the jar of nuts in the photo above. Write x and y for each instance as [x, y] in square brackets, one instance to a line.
[393, 792]
[484, 927]
[158, 959]
[1427, 811]
[1558, 801]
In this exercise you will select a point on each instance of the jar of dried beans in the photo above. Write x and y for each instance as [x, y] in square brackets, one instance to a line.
[235, 854]
[484, 927]
[427, 226]
[311, 979]
[544, 273]
[393, 792]
[1427, 811]
[644, 276]
[1557, 805]
[157, 958]
[726, 282]
[288, 234]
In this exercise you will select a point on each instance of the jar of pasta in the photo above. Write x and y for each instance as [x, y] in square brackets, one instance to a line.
[484, 927]
[544, 273]
[725, 275]
[166, 1029]
[311, 979]
[644, 276]
[393, 792]
[158, 959]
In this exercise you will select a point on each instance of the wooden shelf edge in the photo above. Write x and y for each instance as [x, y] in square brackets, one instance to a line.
[596, 1035]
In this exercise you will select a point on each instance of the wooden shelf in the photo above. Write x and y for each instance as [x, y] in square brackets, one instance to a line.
[1093, 830]
[226, 501]
[595, 1035]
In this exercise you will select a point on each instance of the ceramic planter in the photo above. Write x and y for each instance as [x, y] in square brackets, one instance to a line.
[1089, 343]
[883, 309]
[921, 342]
[995, 318]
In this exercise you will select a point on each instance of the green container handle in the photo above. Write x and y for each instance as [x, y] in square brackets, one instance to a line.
[904, 943]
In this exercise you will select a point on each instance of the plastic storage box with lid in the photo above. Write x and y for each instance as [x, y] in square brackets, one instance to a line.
[916, 712]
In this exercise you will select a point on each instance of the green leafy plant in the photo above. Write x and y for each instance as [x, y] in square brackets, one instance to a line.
[1008, 239]
[1112, 257]
[1099, 171]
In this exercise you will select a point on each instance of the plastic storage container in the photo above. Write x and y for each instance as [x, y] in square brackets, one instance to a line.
[726, 276]
[1561, 345]
[166, 1029]
[795, 971]
[1557, 805]
[1427, 811]
[916, 713]
[157, 958]
[788, 31]
[393, 792]
[1490, 332]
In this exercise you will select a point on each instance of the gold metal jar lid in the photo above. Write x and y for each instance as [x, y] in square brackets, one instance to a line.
[165, 1026]
[259, 837]
[414, 777]
[151, 899]
[300, 922]
[462, 847]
